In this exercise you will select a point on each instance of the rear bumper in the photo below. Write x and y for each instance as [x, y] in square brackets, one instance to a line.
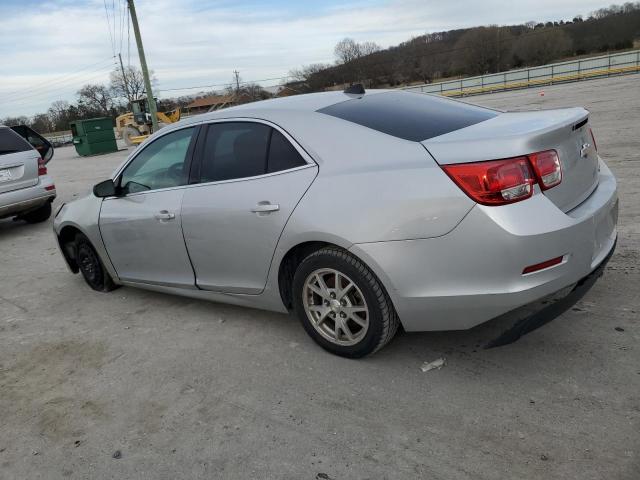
[474, 273]
[26, 199]
[556, 306]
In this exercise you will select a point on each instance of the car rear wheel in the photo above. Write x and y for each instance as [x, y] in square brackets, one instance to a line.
[40, 215]
[91, 267]
[342, 305]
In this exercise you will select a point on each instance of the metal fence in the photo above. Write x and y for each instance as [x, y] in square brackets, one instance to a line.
[59, 138]
[571, 71]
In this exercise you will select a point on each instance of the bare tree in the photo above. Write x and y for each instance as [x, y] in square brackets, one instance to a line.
[367, 48]
[41, 123]
[347, 50]
[96, 97]
[60, 113]
[129, 86]
[11, 121]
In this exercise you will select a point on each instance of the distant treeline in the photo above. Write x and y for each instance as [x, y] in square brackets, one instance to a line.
[474, 51]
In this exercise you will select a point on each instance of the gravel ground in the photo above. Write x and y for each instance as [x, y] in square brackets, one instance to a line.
[190, 389]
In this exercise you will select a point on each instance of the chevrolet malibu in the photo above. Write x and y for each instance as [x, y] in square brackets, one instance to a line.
[358, 211]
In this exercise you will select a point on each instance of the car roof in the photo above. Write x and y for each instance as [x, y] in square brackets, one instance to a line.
[309, 102]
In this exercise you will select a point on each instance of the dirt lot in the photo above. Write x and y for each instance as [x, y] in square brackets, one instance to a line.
[190, 389]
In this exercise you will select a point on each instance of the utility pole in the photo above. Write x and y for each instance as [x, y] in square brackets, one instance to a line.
[124, 79]
[237, 75]
[143, 64]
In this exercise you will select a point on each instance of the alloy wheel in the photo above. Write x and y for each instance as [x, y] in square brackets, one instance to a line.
[335, 306]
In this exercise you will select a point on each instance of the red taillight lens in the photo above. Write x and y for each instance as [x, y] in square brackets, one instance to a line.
[547, 168]
[42, 168]
[496, 182]
[593, 139]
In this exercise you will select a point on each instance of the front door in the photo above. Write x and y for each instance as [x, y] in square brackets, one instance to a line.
[141, 228]
[251, 179]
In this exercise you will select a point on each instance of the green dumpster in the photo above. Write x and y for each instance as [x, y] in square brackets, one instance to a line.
[94, 136]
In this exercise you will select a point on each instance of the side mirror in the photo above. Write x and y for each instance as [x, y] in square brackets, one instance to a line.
[105, 189]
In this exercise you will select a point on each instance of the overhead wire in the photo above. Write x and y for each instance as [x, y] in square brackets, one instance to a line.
[45, 85]
[106, 13]
[44, 94]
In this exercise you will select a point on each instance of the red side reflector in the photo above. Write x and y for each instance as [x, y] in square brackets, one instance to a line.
[42, 168]
[542, 265]
[50, 187]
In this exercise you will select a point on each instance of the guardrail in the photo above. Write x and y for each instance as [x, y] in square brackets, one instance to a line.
[563, 72]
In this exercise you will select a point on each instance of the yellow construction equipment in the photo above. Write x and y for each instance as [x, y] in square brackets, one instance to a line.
[135, 126]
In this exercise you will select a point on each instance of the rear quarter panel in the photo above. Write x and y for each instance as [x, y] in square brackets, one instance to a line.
[371, 187]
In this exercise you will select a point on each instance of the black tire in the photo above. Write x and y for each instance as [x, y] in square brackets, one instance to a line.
[383, 320]
[91, 266]
[42, 214]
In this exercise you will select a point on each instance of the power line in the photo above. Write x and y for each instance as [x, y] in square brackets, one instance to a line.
[123, 12]
[226, 84]
[43, 94]
[106, 14]
[63, 78]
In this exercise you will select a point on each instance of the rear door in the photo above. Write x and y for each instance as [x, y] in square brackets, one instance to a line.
[251, 178]
[18, 162]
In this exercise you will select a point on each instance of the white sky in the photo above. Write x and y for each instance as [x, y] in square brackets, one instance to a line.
[49, 49]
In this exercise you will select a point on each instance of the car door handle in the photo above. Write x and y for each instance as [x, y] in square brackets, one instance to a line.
[265, 207]
[165, 215]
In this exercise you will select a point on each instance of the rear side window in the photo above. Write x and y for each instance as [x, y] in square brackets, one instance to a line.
[282, 155]
[11, 142]
[245, 149]
[235, 150]
[411, 116]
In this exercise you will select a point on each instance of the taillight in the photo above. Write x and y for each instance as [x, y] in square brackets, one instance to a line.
[496, 182]
[499, 182]
[547, 168]
[593, 139]
[42, 168]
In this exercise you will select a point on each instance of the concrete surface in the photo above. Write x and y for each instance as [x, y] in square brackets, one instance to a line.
[190, 389]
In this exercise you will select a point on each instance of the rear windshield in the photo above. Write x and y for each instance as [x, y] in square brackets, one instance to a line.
[11, 142]
[412, 116]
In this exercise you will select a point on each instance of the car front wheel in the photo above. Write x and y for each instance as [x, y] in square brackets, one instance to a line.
[91, 267]
[342, 305]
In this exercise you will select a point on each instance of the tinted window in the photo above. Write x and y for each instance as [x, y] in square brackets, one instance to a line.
[161, 164]
[235, 150]
[412, 116]
[282, 155]
[36, 140]
[11, 142]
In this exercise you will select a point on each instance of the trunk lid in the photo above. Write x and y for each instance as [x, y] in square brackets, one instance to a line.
[514, 134]
[18, 162]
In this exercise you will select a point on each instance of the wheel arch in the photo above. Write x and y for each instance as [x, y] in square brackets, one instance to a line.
[292, 258]
[65, 238]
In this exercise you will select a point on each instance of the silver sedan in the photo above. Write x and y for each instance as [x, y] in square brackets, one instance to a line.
[359, 211]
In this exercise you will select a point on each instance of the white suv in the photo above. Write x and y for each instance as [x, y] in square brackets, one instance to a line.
[26, 191]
